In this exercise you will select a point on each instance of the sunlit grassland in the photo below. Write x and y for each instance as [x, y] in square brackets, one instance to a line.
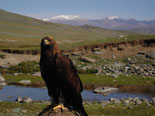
[106, 40]
[95, 109]
[22, 32]
[121, 80]
[120, 110]
[92, 79]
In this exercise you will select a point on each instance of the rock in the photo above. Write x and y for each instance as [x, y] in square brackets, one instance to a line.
[96, 49]
[152, 101]
[16, 110]
[36, 74]
[16, 74]
[120, 48]
[129, 59]
[24, 111]
[141, 53]
[113, 56]
[104, 103]
[136, 68]
[4, 66]
[66, 112]
[151, 55]
[75, 54]
[10, 96]
[153, 64]
[102, 90]
[130, 107]
[66, 54]
[126, 101]
[2, 78]
[2, 81]
[87, 103]
[133, 61]
[99, 70]
[114, 100]
[144, 100]
[135, 99]
[98, 53]
[107, 74]
[126, 68]
[19, 99]
[138, 102]
[117, 65]
[26, 99]
[114, 75]
[85, 59]
[25, 82]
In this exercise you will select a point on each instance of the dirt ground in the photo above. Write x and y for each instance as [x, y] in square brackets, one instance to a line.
[14, 59]
[126, 51]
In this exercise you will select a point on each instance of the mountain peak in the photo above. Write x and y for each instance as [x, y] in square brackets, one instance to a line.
[65, 17]
[112, 17]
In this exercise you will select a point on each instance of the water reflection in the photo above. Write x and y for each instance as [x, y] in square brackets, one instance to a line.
[10, 93]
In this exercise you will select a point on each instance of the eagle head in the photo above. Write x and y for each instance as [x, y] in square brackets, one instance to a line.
[49, 44]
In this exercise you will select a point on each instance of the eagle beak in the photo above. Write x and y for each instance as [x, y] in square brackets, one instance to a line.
[46, 42]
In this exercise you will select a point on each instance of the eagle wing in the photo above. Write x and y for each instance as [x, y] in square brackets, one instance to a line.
[68, 73]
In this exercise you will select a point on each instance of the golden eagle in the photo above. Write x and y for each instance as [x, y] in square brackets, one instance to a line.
[61, 77]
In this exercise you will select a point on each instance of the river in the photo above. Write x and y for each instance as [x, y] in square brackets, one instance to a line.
[11, 92]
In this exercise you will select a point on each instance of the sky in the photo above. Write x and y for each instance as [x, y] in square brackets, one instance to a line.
[88, 9]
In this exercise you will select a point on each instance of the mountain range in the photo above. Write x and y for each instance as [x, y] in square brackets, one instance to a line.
[113, 22]
[22, 32]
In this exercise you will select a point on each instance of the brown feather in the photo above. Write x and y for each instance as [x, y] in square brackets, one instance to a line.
[60, 75]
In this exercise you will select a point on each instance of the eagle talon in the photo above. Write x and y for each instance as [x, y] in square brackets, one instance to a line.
[60, 106]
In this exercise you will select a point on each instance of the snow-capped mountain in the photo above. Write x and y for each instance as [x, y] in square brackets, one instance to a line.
[112, 22]
[112, 17]
[65, 17]
[62, 17]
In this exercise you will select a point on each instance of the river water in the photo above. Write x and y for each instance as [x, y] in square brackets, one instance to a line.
[11, 92]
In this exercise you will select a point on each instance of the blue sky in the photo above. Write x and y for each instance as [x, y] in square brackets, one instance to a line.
[138, 9]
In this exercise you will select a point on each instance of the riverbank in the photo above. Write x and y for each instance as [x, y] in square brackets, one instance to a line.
[91, 81]
[93, 109]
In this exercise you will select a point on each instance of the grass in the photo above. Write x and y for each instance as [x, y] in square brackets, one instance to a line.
[121, 110]
[121, 80]
[10, 78]
[36, 81]
[25, 67]
[25, 33]
[91, 79]
[106, 40]
[32, 109]
[18, 109]
[22, 32]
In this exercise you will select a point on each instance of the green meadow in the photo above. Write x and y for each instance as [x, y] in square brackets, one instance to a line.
[22, 32]
[33, 109]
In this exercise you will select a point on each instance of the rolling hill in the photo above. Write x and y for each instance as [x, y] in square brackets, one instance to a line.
[22, 32]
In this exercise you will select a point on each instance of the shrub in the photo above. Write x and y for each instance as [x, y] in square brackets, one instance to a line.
[2, 56]
[25, 67]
